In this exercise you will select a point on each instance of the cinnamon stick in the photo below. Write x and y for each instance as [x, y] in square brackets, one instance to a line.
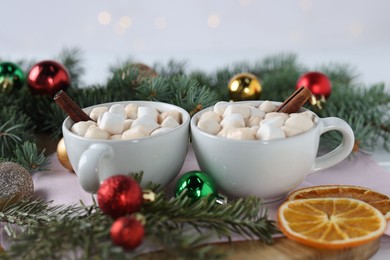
[70, 107]
[294, 102]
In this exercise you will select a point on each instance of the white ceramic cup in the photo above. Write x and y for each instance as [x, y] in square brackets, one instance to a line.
[159, 157]
[267, 169]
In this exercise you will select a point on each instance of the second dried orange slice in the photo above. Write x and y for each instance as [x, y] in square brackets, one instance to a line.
[378, 200]
[331, 223]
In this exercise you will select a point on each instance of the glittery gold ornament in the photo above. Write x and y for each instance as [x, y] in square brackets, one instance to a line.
[15, 183]
[244, 86]
[62, 155]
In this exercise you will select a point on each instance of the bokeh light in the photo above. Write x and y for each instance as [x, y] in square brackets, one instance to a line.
[160, 23]
[104, 17]
[213, 21]
[125, 22]
[306, 5]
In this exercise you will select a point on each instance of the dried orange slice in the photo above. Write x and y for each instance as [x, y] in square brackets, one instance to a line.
[331, 223]
[378, 200]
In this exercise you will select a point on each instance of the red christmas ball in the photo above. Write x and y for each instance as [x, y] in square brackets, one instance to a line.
[119, 195]
[127, 232]
[47, 78]
[318, 83]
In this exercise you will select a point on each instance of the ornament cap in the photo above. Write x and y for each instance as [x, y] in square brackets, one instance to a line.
[148, 196]
[221, 199]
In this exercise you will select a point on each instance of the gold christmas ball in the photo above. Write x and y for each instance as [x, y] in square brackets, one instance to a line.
[244, 86]
[62, 155]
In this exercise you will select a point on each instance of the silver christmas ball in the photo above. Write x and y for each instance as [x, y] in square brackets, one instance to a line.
[15, 183]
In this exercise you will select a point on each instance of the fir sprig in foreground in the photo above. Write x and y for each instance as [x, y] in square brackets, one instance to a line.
[177, 225]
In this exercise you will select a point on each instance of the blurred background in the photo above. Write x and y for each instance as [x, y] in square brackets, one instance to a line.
[207, 34]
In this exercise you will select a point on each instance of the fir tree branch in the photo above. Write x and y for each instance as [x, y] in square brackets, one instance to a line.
[172, 68]
[155, 90]
[364, 109]
[27, 155]
[72, 60]
[15, 128]
[83, 231]
[190, 95]
[244, 217]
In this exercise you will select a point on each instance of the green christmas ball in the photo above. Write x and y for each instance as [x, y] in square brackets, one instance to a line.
[16, 183]
[11, 77]
[197, 185]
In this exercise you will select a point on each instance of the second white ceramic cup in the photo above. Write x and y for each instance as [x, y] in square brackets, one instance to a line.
[267, 169]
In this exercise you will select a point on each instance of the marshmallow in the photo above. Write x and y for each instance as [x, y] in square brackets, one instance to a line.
[118, 109]
[261, 122]
[220, 107]
[131, 111]
[116, 137]
[254, 129]
[99, 119]
[95, 132]
[127, 124]
[173, 113]
[223, 132]
[253, 121]
[169, 122]
[277, 114]
[268, 106]
[240, 134]
[291, 131]
[254, 111]
[112, 123]
[237, 109]
[96, 112]
[300, 121]
[269, 132]
[149, 123]
[160, 130]
[309, 114]
[211, 115]
[233, 120]
[273, 121]
[209, 126]
[135, 133]
[150, 112]
[80, 128]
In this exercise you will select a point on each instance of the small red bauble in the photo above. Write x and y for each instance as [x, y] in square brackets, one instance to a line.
[318, 83]
[127, 232]
[119, 195]
[47, 78]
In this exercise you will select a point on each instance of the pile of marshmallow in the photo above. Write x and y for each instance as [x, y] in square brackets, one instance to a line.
[250, 122]
[120, 122]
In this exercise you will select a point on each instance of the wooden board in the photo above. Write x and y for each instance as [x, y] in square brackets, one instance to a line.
[282, 248]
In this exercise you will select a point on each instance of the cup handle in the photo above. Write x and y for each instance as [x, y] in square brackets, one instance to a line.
[88, 168]
[342, 151]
